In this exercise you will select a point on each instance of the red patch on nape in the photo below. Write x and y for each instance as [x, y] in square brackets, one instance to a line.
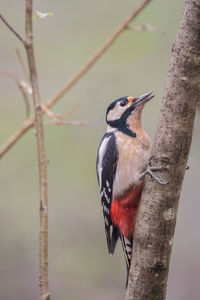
[124, 210]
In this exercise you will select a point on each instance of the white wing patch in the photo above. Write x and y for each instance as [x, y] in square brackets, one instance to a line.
[102, 150]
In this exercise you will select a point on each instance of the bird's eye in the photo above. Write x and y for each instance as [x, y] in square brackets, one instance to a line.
[123, 102]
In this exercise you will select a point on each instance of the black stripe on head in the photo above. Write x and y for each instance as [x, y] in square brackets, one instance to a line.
[121, 122]
[121, 125]
[112, 105]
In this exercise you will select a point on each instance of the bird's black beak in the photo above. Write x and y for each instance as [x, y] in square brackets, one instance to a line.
[142, 99]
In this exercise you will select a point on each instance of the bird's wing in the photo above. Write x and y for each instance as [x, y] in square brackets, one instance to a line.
[106, 168]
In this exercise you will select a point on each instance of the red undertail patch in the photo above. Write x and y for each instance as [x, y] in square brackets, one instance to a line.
[124, 210]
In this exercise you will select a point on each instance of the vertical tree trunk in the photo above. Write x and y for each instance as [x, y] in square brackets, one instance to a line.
[157, 213]
[42, 162]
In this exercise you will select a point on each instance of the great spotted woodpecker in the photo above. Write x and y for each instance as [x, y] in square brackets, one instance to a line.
[122, 159]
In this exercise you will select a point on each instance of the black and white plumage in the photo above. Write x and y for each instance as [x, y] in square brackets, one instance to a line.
[123, 154]
[106, 168]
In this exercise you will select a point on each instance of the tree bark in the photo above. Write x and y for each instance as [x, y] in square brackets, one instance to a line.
[156, 219]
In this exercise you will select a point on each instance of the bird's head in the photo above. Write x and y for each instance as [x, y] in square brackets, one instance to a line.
[121, 110]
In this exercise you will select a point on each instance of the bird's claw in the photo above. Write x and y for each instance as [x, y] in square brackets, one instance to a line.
[156, 178]
[151, 171]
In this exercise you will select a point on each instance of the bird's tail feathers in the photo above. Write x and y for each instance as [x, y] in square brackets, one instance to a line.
[127, 245]
[112, 238]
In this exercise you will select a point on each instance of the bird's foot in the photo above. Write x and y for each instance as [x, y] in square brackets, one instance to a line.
[151, 170]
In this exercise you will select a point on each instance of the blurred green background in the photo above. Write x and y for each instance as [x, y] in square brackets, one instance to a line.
[80, 267]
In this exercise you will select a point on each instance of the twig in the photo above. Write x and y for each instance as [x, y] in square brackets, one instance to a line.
[75, 123]
[42, 162]
[21, 86]
[17, 134]
[22, 64]
[145, 27]
[12, 29]
[98, 53]
[49, 113]
[58, 118]
[69, 113]
[11, 75]
[87, 66]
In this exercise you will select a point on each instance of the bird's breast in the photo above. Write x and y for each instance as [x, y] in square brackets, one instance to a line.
[133, 157]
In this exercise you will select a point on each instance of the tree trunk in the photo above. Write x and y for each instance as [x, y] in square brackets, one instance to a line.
[157, 213]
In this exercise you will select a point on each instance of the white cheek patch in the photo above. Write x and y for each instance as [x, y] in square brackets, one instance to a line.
[116, 112]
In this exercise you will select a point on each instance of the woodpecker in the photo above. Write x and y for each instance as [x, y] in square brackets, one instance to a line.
[122, 160]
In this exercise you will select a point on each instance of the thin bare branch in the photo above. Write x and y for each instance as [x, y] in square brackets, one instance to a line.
[57, 119]
[145, 27]
[21, 85]
[12, 29]
[49, 113]
[98, 53]
[10, 74]
[26, 86]
[69, 113]
[88, 65]
[22, 64]
[16, 135]
[26, 101]
[66, 122]
[42, 161]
